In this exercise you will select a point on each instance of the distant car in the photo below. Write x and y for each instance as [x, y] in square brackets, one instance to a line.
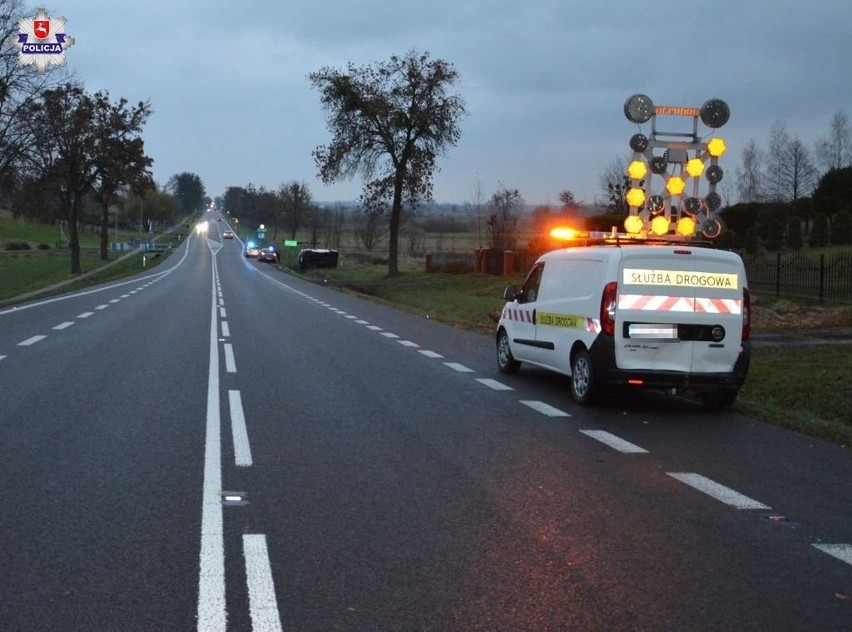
[252, 249]
[218, 219]
[228, 234]
[270, 253]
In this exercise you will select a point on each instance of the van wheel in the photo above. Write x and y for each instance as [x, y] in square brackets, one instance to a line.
[505, 360]
[718, 399]
[582, 378]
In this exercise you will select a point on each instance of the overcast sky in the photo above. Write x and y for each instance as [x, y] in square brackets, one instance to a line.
[545, 81]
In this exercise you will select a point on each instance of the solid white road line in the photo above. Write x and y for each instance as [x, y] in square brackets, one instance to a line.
[494, 384]
[455, 366]
[614, 442]
[31, 341]
[430, 354]
[263, 605]
[544, 409]
[230, 365]
[717, 491]
[212, 614]
[842, 552]
[64, 325]
[242, 449]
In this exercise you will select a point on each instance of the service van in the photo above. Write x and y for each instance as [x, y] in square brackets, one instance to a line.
[662, 315]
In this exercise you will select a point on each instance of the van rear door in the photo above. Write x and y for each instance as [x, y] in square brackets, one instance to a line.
[679, 309]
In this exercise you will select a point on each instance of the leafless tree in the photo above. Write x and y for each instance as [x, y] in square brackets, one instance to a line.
[503, 213]
[615, 184]
[296, 204]
[834, 151]
[789, 169]
[750, 184]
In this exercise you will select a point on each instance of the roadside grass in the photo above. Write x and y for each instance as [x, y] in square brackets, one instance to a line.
[806, 389]
[23, 271]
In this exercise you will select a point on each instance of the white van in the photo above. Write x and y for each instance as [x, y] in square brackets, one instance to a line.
[658, 315]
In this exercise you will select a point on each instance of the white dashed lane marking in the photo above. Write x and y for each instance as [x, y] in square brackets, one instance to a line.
[430, 354]
[31, 341]
[388, 334]
[86, 314]
[614, 442]
[64, 325]
[408, 343]
[842, 552]
[717, 491]
[230, 365]
[544, 409]
[102, 307]
[455, 366]
[494, 384]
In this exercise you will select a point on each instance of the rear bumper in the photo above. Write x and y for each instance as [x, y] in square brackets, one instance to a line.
[606, 371]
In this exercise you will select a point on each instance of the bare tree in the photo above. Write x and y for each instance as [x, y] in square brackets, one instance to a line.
[789, 170]
[20, 88]
[478, 199]
[750, 185]
[834, 151]
[369, 227]
[296, 204]
[504, 211]
[615, 183]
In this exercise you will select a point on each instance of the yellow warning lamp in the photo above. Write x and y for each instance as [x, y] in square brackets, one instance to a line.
[716, 147]
[637, 170]
[685, 226]
[635, 197]
[695, 167]
[660, 225]
[633, 224]
[675, 185]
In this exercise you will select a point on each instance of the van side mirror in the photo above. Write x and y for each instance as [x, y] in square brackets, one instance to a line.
[510, 293]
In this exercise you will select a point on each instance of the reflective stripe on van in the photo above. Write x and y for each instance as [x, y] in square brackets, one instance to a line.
[658, 303]
[520, 315]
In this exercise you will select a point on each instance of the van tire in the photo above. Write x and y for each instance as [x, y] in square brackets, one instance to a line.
[582, 377]
[719, 399]
[505, 360]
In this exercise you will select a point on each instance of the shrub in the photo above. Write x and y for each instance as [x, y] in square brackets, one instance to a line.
[819, 232]
[794, 234]
[841, 228]
[17, 245]
[44, 246]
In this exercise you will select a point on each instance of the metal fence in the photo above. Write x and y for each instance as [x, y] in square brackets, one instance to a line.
[823, 276]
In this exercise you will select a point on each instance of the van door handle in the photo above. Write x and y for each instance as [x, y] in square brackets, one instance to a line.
[533, 315]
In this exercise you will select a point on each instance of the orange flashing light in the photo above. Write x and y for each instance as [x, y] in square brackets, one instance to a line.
[564, 233]
[636, 382]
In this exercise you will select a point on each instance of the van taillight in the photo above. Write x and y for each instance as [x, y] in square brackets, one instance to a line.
[608, 305]
[746, 315]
